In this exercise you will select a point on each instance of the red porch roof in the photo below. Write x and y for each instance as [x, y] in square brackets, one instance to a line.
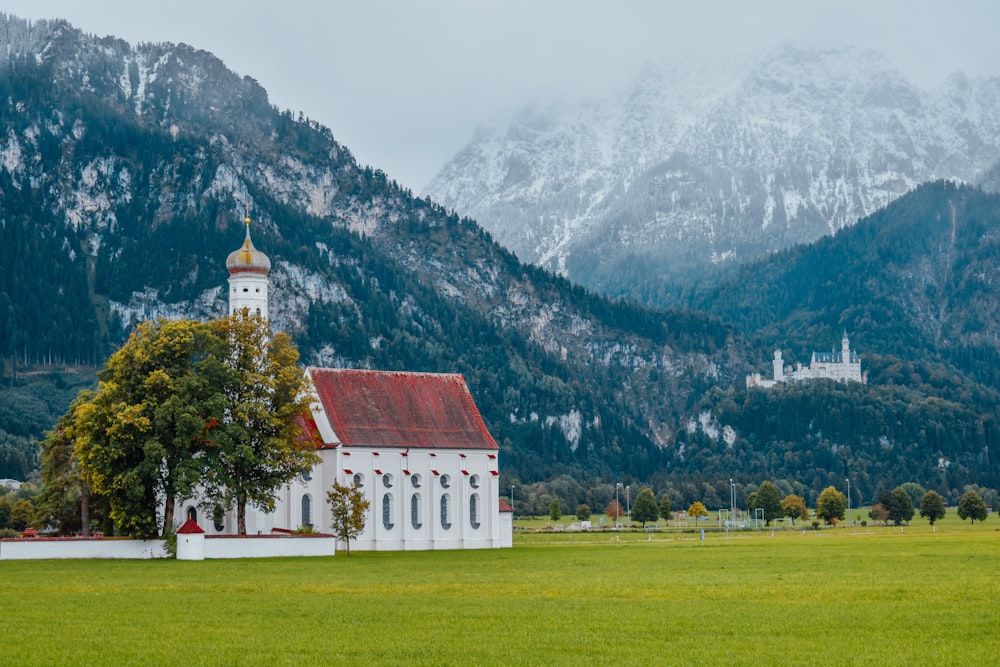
[391, 409]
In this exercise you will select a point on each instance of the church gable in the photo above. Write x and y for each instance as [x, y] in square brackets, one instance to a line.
[400, 410]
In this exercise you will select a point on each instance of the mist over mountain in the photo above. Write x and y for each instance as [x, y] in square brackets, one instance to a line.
[692, 168]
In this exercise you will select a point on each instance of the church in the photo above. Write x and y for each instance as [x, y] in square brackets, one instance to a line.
[415, 443]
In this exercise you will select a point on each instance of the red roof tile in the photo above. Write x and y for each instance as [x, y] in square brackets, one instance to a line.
[388, 409]
[189, 527]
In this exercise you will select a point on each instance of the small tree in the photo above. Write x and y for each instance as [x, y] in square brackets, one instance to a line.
[766, 498]
[915, 491]
[555, 511]
[971, 506]
[794, 507]
[932, 506]
[645, 508]
[831, 505]
[614, 511]
[583, 512]
[900, 506]
[349, 509]
[665, 513]
[879, 513]
[697, 509]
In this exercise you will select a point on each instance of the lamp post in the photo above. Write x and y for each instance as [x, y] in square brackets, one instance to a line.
[848, 480]
[628, 508]
[618, 507]
[732, 500]
[512, 496]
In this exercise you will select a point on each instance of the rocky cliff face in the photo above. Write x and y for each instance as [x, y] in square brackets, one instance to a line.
[686, 169]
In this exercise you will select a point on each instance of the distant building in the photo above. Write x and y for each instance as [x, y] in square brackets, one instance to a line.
[843, 366]
[11, 484]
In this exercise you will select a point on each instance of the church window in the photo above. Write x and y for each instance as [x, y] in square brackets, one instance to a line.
[415, 519]
[307, 475]
[474, 510]
[219, 519]
[306, 511]
[246, 289]
[387, 481]
[388, 520]
[474, 481]
[446, 511]
[358, 479]
[445, 481]
[192, 513]
[415, 481]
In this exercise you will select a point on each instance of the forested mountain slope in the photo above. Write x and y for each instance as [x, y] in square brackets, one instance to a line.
[124, 172]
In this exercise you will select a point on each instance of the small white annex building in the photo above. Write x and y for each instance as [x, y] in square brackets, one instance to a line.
[842, 366]
[415, 443]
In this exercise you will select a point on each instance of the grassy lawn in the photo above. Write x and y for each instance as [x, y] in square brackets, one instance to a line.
[867, 596]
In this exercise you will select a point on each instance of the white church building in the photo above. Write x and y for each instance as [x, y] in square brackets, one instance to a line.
[842, 366]
[415, 443]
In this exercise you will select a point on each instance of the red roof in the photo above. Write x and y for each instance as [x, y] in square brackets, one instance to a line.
[389, 409]
[189, 527]
[505, 506]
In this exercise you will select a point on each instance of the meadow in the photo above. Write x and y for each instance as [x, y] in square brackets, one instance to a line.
[873, 596]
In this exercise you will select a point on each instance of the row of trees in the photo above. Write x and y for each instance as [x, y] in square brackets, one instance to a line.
[183, 409]
[831, 506]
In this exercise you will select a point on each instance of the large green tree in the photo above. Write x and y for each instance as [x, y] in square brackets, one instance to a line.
[831, 505]
[260, 443]
[349, 508]
[971, 506]
[645, 508]
[142, 439]
[932, 506]
[766, 498]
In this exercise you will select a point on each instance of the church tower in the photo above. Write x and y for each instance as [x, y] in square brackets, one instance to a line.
[248, 269]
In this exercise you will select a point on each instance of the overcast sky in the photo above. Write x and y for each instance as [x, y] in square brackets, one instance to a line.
[404, 83]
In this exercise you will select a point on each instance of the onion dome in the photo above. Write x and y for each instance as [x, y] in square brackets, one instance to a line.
[248, 259]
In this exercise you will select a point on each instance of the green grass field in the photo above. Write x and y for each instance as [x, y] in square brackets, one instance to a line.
[830, 597]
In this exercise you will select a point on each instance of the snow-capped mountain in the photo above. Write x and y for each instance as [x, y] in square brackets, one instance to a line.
[689, 167]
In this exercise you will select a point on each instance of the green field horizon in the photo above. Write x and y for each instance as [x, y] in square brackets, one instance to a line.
[872, 596]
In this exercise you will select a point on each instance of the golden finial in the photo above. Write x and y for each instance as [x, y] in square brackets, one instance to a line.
[247, 221]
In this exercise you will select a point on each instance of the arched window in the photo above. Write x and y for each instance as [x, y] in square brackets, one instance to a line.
[416, 520]
[388, 519]
[387, 481]
[415, 480]
[219, 518]
[359, 479]
[445, 481]
[474, 481]
[474, 510]
[307, 511]
[192, 513]
[446, 511]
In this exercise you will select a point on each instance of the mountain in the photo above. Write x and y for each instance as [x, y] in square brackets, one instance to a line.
[691, 168]
[124, 176]
[915, 284]
[124, 173]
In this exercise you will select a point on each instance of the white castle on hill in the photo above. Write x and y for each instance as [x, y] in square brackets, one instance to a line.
[842, 366]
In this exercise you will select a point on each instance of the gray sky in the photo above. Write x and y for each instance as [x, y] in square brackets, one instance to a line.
[403, 83]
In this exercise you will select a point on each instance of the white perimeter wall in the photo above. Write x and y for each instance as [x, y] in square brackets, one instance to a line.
[215, 547]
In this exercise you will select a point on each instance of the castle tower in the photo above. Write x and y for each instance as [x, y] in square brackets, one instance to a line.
[845, 349]
[248, 269]
[779, 367]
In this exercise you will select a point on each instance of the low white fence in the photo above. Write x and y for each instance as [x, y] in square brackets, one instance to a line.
[254, 546]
